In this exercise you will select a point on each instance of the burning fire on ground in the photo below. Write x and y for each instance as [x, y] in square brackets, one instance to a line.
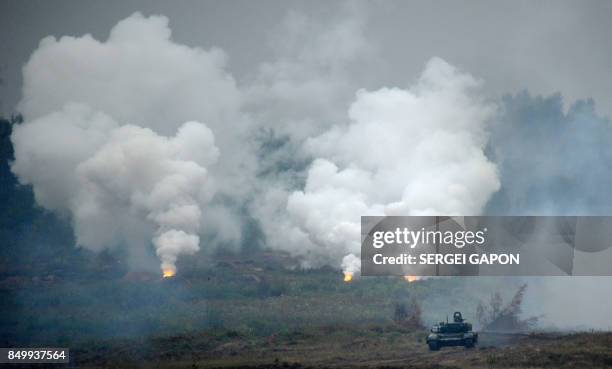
[168, 273]
[348, 276]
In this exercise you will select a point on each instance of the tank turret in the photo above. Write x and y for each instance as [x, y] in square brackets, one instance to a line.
[457, 318]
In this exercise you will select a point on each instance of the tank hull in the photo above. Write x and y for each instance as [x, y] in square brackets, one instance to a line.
[457, 333]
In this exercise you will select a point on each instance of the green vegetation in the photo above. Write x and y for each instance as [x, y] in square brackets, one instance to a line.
[253, 300]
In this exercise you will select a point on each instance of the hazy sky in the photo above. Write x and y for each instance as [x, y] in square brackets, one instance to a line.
[543, 46]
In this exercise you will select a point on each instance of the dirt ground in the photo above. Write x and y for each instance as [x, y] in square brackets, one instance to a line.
[377, 349]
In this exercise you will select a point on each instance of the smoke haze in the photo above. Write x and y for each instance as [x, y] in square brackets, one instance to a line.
[144, 142]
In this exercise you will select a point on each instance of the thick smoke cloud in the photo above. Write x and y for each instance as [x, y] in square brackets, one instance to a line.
[139, 75]
[105, 140]
[301, 93]
[417, 151]
[121, 185]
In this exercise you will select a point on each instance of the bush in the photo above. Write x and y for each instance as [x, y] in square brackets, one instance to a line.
[408, 314]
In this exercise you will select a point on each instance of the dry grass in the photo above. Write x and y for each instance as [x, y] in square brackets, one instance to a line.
[376, 346]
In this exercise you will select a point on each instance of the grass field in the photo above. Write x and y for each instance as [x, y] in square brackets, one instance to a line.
[375, 346]
[252, 299]
[257, 313]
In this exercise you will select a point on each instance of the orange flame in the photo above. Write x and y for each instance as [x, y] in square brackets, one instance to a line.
[168, 273]
[348, 276]
[411, 278]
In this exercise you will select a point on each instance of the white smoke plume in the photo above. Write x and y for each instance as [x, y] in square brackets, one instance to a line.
[140, 76]
[116, 180]
[418, 151]
[297, 95]
[105, 140]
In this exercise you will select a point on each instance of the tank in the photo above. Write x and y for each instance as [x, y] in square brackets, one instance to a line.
[456, 333]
